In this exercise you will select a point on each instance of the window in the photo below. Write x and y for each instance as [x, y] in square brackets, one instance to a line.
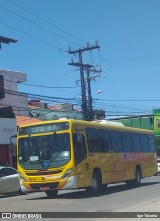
[34, 151]
[79, 148]
[2, 174]
[92, 140]
[152, 143]
[9, 171]
[104, 140]
[144, 143]
[116, 141]
[136, 142]
[127, 142]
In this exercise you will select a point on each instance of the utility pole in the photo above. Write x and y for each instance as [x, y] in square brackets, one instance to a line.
[6, 41]
[86, 105]
[90, 100]
[89, 91]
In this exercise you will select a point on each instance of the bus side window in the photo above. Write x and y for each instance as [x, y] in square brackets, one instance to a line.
[152, 143]
[79, 148]
[136, 142]
[116, 141]
[144, 143]
[92, 140]
[104, 140]
[127, 141]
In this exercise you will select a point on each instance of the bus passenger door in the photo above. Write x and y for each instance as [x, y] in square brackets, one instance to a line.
[81, 161]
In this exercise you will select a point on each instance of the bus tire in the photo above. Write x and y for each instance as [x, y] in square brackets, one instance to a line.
[51, 193]
[96, 183]
[138, 176]
[137, 180]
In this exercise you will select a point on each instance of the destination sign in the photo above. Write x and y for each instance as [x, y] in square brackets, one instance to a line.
[44, 128]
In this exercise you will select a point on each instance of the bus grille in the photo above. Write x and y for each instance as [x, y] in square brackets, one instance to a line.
[43, 173]
[38, 186]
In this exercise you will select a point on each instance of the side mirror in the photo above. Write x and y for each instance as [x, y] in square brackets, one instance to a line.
[11, 138]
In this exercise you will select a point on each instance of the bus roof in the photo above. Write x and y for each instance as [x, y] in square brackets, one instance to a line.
[97, 124]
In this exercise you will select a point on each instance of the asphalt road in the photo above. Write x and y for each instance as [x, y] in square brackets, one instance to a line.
[117, 197]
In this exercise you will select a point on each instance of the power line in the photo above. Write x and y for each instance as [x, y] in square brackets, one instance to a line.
[138, 100]
[42, 86]
[47, 22]
[47, 43]
[69, 99]
[110, 113]
[38, 85]
[117, 114]
[61, 98]
[50, 87]
[38, 96]
[37, 25]
[119, 106]
[77, 100]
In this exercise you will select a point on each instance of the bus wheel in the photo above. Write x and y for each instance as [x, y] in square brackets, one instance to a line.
[138, 177]
[96, 184]
[51, 193]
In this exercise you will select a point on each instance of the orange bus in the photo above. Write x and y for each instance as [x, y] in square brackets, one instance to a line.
[74, 154]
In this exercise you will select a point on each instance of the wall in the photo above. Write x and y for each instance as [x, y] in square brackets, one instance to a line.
[138, 122]
[157, 127]
[8, 128]
[19, 101]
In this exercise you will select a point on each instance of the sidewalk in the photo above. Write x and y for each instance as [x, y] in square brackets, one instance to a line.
[149, 206]
[147, 209]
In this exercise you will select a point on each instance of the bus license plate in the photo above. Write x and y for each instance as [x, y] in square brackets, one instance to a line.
[44, 188]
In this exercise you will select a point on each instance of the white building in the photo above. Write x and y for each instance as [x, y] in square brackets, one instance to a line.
[18, 101]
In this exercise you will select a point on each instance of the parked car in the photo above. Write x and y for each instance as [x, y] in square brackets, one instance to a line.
[10, 182]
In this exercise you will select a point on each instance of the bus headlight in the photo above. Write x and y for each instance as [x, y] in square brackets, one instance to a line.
[22, 177]
[67, 174]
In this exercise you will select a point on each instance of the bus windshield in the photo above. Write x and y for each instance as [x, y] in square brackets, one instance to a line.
[40, 152]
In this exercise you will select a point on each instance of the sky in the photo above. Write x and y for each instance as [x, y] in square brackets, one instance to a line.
[127, 32]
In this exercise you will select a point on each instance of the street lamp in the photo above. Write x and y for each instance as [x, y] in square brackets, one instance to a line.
[6, 40]
[99, 91]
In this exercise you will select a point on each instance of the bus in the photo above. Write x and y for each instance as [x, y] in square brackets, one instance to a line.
[75, 154]
[157, 135]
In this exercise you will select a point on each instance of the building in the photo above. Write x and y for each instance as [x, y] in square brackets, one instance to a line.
[8, 128]
[12, 103]
[42, 111]
[9, 95]
[139, 121]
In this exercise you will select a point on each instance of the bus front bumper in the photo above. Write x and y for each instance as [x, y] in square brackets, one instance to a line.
[69, 183]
